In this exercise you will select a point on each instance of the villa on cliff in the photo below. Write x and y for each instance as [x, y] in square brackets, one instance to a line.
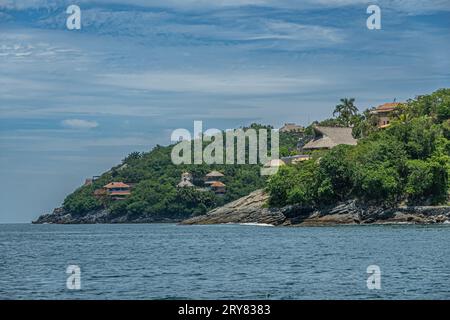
[211, 180]
[117, 190]
[329, 137]
[384, 113]
[114, 190]
[213, 183]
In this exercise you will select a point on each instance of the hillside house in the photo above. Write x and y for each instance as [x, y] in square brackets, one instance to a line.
[117, 190]
[274, 163]
[218, 187]
[212, 177]
[295, 159]
[186, 180]
[384, 113]
[212, 182]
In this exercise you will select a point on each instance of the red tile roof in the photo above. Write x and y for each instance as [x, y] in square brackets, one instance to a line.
[217, 184]
[112, 185]
[387, 107]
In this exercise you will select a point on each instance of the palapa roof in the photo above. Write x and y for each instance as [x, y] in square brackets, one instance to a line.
[112, 185]
[214, 174]
[329, 137]
[291, 127]
[387, 107]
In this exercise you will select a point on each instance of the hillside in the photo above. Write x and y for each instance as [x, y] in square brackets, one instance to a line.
[406, 161]
[155, 196]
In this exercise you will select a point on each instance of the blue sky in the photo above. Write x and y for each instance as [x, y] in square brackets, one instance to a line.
[74, 103]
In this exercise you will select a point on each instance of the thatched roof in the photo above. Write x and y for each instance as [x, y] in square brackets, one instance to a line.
[329, 137]
[289, 127]
[214, 174]
[387, 107]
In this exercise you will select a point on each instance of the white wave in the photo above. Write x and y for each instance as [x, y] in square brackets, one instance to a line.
[256, 224]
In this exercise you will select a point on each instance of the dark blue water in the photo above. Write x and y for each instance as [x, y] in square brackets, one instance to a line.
[163, 261]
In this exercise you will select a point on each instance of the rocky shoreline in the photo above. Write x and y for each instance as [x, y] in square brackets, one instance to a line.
[60, 216]
[253, 209]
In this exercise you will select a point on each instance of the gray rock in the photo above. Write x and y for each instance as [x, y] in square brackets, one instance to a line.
[248, 209]
[253, 209]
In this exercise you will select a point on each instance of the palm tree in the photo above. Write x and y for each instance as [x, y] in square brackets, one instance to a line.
[346, 110]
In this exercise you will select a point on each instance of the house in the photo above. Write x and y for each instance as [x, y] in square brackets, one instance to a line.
[329, 137]
[117, 190]
[186, 180]
[384, 113]
[212, 177]
[213, 183]
[274, 163]
[295, 159]
[218, 187]
[291, 127]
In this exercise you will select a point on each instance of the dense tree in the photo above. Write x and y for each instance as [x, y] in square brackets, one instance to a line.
[408, 161]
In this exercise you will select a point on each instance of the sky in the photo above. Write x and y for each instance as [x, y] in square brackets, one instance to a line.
[73, 103]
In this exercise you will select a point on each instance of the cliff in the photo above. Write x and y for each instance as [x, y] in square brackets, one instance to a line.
[252, 209]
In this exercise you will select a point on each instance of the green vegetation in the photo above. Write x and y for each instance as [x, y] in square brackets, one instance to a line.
[407, 162]
[155, 192]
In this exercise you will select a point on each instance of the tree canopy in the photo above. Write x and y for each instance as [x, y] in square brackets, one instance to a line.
[407, 162]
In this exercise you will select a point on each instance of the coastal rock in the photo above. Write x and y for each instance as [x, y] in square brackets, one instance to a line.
[248, 209]
[60, 216]
[253, 209]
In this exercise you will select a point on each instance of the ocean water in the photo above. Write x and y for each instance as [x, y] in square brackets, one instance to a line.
[167, 261]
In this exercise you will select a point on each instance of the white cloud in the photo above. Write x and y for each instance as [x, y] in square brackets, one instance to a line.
[213, 83]
[79, 124]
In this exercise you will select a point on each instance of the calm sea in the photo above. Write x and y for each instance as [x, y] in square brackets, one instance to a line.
[166, 261]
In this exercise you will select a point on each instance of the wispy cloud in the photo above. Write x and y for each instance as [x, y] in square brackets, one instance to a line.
[79, 124]
[252, 82]
[408, 6]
